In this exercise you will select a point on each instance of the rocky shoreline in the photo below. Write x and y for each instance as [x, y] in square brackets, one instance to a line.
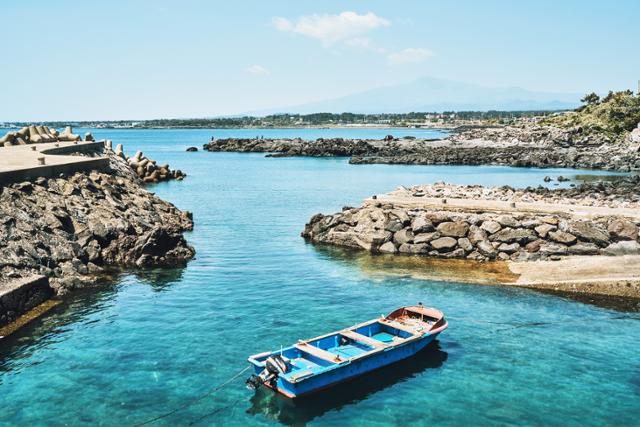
[72, 230]
[520, 146]
[483, 236]
[484, 224]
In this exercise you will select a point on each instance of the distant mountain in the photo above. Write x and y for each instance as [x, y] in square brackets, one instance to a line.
[431, 94]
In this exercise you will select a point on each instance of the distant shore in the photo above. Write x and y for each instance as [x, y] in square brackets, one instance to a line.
[542, 147]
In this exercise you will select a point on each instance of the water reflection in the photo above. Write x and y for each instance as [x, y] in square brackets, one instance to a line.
[593, 178]
[44, 331]
[459, 271]
[420, 267]
[617, 303]
[78, 308]
[159, 279]
[301, 411]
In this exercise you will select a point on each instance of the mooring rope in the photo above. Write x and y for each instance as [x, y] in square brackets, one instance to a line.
[191, 402]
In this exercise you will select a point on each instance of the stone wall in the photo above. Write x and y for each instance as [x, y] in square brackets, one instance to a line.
[384, 228]
[23, 295]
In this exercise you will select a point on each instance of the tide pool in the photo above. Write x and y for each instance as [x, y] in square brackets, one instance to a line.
[155, 339]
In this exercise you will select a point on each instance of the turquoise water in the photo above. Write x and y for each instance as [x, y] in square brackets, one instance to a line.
[155, 339]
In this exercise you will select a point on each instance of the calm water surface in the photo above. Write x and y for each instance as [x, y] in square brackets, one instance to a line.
[155, 339]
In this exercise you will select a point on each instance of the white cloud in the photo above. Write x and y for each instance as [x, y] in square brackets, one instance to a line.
[330, 29]
[257, 70]
[410, 55]
[364, 43]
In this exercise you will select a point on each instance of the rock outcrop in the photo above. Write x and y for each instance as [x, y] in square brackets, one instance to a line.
[75, 228]
[333, 147]
[524, 146]
[385, 227]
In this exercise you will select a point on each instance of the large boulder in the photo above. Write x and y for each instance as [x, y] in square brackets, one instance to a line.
[486, 248]
[388, 248]
[622, 229]
[426, 237]
[507, 221]
[509, 247]
[465, 244]
[625, 247]
[584, 249]
[410, 248]
[544, 229]
[403, 236]
[511, 235]
[444, 243]
[476, 234]
[589, 232]
[562, 237]
[421, 224]
[453, 229]
[491, 226]
[553, 249]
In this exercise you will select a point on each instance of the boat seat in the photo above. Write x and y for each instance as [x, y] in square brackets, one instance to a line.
[318, 352]
[363, 339]
[399, 326]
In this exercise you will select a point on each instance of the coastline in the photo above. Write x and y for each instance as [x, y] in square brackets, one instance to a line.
[519, 147]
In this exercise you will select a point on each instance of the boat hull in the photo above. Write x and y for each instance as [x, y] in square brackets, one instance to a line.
[352, 369]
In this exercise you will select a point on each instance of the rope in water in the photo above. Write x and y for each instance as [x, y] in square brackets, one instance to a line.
[191, 402]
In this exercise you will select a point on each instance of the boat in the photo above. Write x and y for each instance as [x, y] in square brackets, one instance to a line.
[316, 364]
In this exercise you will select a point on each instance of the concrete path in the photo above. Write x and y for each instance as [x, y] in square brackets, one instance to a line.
[605, 275]
[20, 162]
[500, 206]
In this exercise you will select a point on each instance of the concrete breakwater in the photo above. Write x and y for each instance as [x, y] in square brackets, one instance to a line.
[528, 148]
[71, 229]
[146, 169]
[37, 134]
[412, 222]
[40, 151]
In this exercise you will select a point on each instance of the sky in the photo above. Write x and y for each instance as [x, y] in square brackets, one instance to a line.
[135, 59]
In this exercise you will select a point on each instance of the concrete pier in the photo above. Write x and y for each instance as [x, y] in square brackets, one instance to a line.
[20, 162]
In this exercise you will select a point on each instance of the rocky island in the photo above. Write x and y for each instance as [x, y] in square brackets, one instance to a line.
[69, 223]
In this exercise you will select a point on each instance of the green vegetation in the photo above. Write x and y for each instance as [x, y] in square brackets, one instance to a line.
[614, 115]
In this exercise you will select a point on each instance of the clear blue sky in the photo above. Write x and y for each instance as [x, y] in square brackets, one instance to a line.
[73, 60]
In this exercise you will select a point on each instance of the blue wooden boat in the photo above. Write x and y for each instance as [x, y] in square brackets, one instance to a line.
[318, 363]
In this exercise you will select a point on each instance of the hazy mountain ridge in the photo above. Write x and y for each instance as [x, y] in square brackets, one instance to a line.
[437, 95]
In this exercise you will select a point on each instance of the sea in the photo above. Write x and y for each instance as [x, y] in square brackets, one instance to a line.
[156, 344]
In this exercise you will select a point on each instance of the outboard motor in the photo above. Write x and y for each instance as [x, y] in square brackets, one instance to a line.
[274, 366]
